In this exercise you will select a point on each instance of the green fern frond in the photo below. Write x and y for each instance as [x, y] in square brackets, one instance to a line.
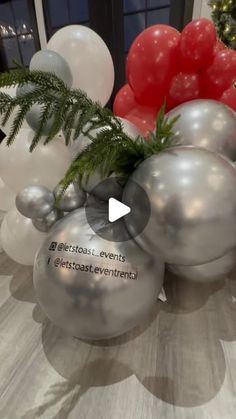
[43, 120]
[111, 150]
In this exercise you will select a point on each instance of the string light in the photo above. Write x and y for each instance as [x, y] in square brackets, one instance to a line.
[224, 16]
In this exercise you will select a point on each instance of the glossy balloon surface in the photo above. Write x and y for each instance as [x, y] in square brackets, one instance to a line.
[193, 205]
[93, 288]
[208, 124]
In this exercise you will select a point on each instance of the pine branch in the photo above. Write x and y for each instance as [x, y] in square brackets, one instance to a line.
[111, 150]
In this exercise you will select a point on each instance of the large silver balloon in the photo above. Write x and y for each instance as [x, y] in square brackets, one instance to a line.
[73, 198]
[211, 271]
[45, 223]
[208, 124]
[33, 116]
[193, 205]
[47, 60]
[91, 287]
[35, 201]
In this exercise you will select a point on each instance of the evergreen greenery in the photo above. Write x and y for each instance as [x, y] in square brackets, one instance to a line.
[111, 149]
[224, 16]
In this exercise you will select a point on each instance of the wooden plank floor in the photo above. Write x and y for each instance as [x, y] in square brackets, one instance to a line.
[180, 364]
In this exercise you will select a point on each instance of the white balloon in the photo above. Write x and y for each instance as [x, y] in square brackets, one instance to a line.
[7, 127]
[45, 166]
[89, 60]
[7, 197]
[19, 238]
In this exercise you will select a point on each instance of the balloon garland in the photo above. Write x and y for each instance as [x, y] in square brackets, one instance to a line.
[91, 287]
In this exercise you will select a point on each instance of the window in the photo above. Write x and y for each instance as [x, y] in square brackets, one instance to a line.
[18, 33]
[139, 14]
[59, 13]
[118, 22]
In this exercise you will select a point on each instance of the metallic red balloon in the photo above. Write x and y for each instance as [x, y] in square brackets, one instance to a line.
[229, 97]
[197, 44]
[124, 101]
[219, 46]
[220, 75]
[152, 62]
[144, 118]
[183, 87]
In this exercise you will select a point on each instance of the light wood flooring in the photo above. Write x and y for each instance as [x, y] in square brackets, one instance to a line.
[180, 364]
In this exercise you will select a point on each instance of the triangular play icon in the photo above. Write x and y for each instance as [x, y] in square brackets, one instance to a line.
[116, 210]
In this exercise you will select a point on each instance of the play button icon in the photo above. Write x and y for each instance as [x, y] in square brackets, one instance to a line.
[108, 213]
[116, 210]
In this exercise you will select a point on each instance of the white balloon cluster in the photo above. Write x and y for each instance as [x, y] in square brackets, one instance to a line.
[78, 56]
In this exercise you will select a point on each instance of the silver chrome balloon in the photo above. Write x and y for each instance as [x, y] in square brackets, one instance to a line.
[45, 223]
[93, 288]
[47, 60]
[211, 271]
[35, 201]
[208, 124]
[73, 198]
[193, 205]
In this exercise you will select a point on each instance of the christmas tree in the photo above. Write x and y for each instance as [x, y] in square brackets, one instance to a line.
[224, 16]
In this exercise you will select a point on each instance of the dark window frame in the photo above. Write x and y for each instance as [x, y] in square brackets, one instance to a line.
[17, 37]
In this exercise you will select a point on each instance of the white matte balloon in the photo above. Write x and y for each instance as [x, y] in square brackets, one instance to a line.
[211, 271]
[47, 60]
[7, 197]
[20, 239]
[45, 166]
[7, 127]
[88, 58]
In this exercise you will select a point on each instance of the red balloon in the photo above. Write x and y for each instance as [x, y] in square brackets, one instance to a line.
[229, 97]
[152, 62]
[183, 87]
[124, 101]
[220, 75]
[144, 117]
[197, 44]
[219, 46]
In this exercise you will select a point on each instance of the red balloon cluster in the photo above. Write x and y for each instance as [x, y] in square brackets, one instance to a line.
[165, 64]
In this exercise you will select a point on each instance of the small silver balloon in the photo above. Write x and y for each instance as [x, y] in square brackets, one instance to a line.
[193, 205]
[73, 198]
[208, 124]
[51, 61]
[211, 271]
[94, 288]
[35, 201]
[33, 116]
[45, 223]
